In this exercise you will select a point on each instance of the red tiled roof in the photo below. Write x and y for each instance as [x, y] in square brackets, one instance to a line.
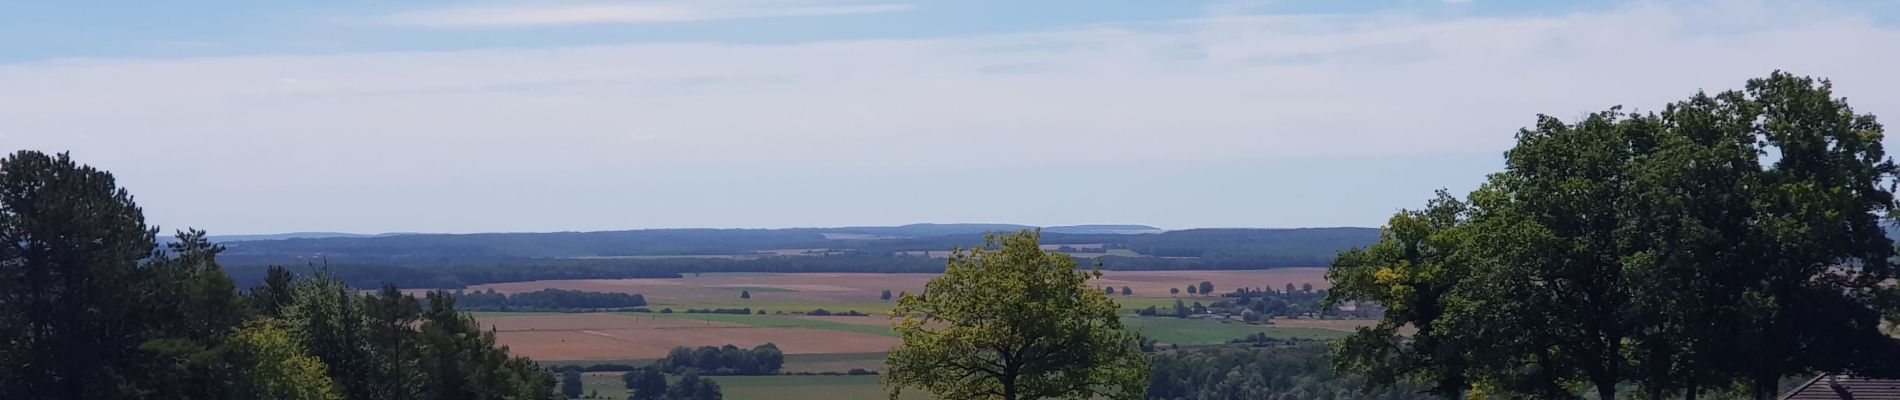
[1845, 387]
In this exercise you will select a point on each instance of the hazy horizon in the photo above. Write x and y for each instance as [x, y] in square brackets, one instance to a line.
[365, 117]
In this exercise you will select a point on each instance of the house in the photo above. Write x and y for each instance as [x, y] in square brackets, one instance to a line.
[1845, 387]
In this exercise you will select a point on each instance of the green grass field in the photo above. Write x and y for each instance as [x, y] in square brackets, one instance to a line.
[807, 387]
[775, 321]
[838, 362]
[1185, 331]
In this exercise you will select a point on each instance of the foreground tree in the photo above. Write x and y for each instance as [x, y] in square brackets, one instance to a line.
[277, 365]
[71, 285]
[1011, 321]
[1731, 239]
[90, 309]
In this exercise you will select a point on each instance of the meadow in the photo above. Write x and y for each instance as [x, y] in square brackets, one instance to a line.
[829, 344]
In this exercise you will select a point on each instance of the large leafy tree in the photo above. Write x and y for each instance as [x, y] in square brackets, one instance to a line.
[1729, 239]
[1011, 321]
[1819, 258]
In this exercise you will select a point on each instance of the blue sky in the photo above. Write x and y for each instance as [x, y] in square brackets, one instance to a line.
[373, 116]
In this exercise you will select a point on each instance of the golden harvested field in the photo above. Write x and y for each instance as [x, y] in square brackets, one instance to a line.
[572, 337]
[865, 287]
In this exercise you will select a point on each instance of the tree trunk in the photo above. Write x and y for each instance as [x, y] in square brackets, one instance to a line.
[1766, 388]
[1009, 387]
[1606, 390]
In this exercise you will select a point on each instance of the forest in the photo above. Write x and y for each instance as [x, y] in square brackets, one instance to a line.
[548, 300]
[94, 308]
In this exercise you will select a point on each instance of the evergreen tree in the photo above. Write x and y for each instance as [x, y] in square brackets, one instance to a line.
[73, 295]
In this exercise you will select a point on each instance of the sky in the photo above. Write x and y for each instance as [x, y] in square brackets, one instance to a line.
[243, 117]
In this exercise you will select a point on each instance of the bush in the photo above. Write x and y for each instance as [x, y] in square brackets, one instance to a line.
[765, 359]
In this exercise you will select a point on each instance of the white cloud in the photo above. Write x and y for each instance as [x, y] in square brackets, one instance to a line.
[654, 12]
[403, 133]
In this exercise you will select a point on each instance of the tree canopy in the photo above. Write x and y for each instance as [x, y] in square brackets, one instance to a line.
[1011, 321]
[93, 308]
[1726, 241]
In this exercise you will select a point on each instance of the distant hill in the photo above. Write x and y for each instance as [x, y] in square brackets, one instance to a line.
[1103, 229]
[928, 230]
[281, 236]
[451, 260]
[1318, 244]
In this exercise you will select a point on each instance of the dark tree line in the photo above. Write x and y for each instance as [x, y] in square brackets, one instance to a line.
[438, 249]
[547, 300]
[765, 359]
[649, 383]
[371, 273]
[94, 309]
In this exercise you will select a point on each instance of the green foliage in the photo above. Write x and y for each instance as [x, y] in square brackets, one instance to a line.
[1300, 372]
[546, 300]
[1730, 239]
[571, 383]
[1014, 322]
[764, 359]
[647, 383]
[72, 292]
[460, 360]
[90, 310]
[277, 366]
[693, 387]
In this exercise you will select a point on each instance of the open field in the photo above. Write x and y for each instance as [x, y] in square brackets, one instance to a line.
[845, 291]
[1342, 325]
[868, 325]
[1187, 332]
[600, 336]
[807, 387]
